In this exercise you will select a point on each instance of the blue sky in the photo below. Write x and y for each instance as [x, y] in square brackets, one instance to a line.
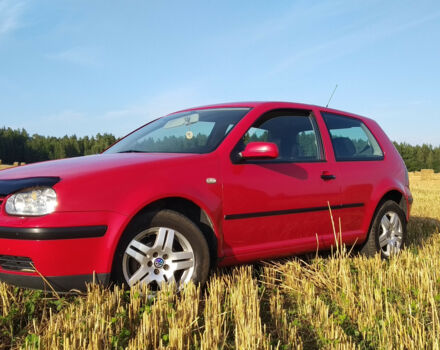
[83, 67]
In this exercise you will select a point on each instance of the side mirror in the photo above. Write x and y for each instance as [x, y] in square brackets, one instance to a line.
[260, 150]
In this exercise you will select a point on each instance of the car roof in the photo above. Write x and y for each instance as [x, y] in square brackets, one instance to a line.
[274, 105]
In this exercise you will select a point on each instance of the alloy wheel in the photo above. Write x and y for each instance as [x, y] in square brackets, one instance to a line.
[158, 256]
[390, 234]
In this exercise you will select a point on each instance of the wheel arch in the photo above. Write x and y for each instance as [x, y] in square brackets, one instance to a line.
[396, 196]
[392, 194]
[186, 207]
[370, 246]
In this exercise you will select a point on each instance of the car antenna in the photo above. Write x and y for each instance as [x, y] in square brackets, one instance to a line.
[331, 95]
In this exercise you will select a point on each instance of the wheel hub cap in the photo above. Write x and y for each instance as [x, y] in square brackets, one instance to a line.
[159, 262]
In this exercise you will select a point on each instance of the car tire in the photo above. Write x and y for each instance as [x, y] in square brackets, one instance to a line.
[388, 231]
[162, 247]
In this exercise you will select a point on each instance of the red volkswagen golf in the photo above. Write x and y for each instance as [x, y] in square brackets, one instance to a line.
[208, 186]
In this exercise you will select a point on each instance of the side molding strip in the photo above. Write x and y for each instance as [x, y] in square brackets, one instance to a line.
[290, 211]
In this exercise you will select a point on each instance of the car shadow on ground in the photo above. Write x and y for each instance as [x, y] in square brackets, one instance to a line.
[421, 229]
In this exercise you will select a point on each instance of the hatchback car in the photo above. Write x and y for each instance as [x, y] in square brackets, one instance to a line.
[208, 186]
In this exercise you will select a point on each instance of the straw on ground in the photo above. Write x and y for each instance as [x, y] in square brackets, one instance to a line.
[334, 302]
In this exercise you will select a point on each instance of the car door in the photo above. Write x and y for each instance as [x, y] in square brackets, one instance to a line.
[278, 207]
[359, 160]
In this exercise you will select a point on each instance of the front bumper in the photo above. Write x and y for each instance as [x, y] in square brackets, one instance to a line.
[69, 249]
[52, 233]
[59, 283]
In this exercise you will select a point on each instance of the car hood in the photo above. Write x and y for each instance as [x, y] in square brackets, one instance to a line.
[83, 166]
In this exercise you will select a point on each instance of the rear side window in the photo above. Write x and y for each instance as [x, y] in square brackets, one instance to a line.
[351, 139]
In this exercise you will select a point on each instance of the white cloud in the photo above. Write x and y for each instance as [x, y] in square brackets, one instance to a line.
[300, 13]
[10, 13]
[116, 121]
[121, 121]
[365, 34]
[84, 56]
[57, 124]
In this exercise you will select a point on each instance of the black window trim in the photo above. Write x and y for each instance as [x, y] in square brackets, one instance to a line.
[366, 159]
[268, 115]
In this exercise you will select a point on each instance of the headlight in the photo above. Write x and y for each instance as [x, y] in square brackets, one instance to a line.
[35, 201]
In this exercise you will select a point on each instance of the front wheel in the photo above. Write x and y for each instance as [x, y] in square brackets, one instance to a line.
[388, 233]
[162, 248]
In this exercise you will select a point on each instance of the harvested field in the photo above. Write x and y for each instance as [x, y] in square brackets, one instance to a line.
[325, 302]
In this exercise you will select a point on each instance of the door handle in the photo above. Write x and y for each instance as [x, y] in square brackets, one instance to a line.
[327, 176]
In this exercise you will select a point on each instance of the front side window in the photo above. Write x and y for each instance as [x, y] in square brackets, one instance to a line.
[294, 132]
[199, 131]
[351, 139]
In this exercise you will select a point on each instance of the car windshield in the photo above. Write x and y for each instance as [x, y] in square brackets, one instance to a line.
[198, 131]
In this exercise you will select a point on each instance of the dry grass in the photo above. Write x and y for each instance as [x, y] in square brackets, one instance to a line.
[335, 302]
[4, 166]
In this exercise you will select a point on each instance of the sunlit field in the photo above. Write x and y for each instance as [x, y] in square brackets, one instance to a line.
[331, 301]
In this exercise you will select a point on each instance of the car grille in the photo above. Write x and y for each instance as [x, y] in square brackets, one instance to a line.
[1, 201]
[16, 263]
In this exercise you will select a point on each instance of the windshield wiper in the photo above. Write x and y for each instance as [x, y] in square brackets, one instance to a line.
[131, 151]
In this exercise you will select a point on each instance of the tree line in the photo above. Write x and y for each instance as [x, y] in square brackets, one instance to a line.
[419, 157]
[19, 146]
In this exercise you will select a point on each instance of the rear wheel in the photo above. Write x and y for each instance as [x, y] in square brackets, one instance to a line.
[388, 233]
[162, 248]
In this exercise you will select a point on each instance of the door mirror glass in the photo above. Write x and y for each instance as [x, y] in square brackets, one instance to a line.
[260, 150]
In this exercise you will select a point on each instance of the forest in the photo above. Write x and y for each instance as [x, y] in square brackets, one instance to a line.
[17, 145]
[419, 157]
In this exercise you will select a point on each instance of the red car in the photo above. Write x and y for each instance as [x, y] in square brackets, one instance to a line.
[208, 186]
